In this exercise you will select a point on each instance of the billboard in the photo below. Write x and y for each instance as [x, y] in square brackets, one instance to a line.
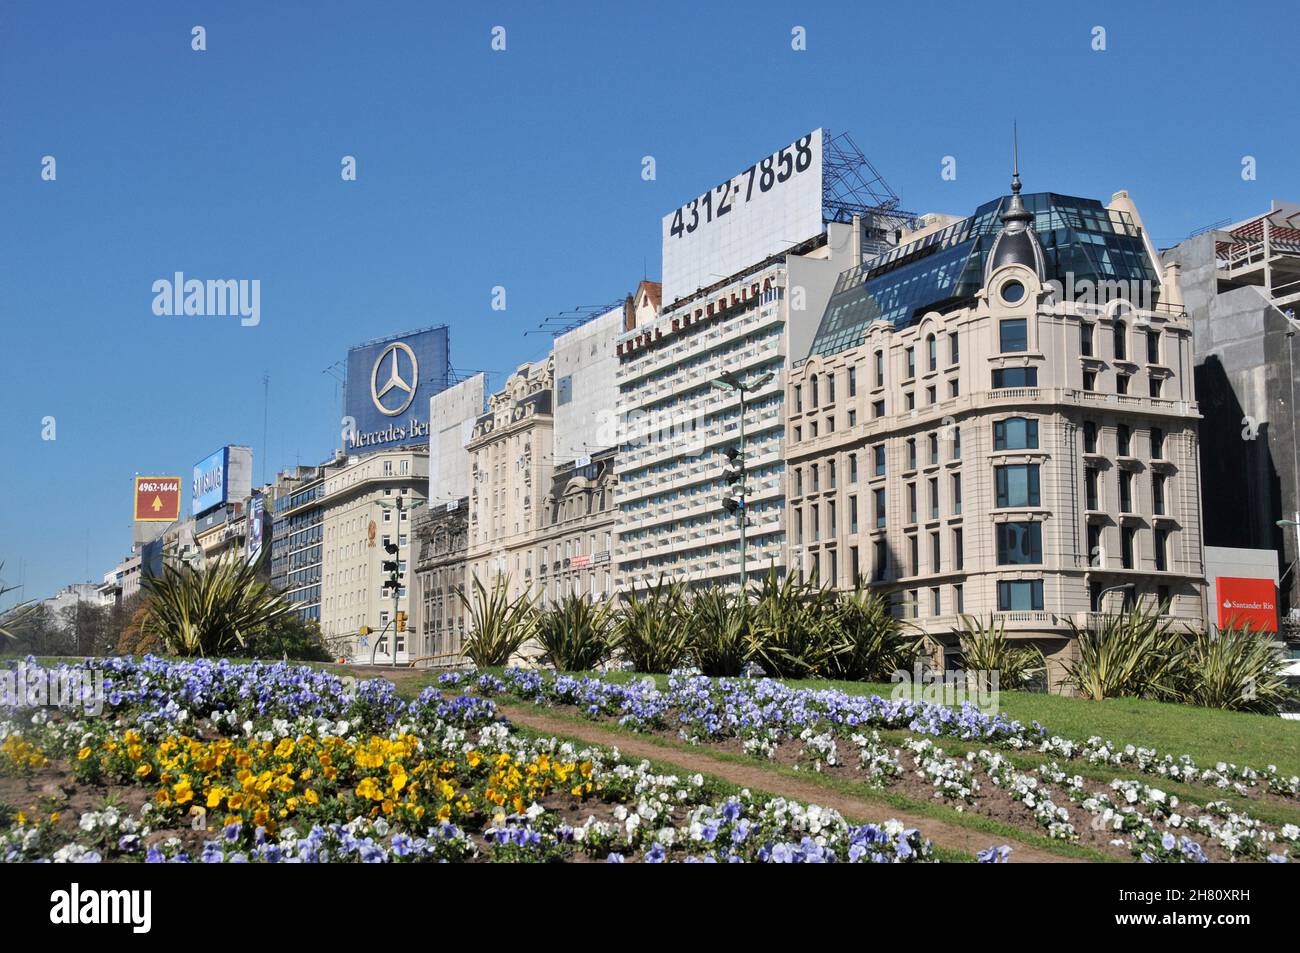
[1247, 602]
[256, 534]
[157, 499]
[765, 209]
[389, 383]
[221, 477]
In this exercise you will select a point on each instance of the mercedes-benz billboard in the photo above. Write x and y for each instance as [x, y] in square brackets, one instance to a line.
[389, 383]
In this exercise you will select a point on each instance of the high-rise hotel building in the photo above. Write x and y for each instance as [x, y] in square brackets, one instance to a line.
[997, 417]
[675, 423]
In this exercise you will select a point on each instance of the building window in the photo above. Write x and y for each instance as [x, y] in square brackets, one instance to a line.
[1121, 341]
[1089, 437]
[1085, 339]
[934, 449]
[934, 498]
[958, 599]
[1004, 377]
[1160, 540]
[798, 529]
[880, 561]
[879, 451]
[1125, 492]
[798, 398]
[954, 349]
[816, 522]
[1154, 386]
[956, 442]
[1153, 346]
[1126, 537]
[830, 474]
[880, 509]
[909, 401]
[1121, 383]
[1015, 433]
[1090, 489]
[911, 502]
[1157, 443]
[1123, 440]
[954, 388]
[812, 391]
[830, 388]
[853, 516]
[878, 409]
[936, 554]
[1022, 595]
[853, 381]
[1096, 557]
[913, 556]
[1017, 485]
[1019, 544]
[816, 477]
[911, 453]
[932, 352]
[880, 368]
[1090, 381]
[956, 494]
[958, 549]
[1158, 494]
[910, 354]
[1013, 335]
[934, 601]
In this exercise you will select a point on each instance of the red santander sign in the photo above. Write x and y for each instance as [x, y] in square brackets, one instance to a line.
[157, 499]
[1247, 602]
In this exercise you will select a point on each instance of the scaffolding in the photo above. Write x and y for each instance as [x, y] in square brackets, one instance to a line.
[851, 186]
[1263, 251]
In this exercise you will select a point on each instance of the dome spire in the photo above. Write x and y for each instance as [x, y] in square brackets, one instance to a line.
[1017, 243]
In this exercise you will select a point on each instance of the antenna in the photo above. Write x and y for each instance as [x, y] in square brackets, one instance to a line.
[1015, 150]
[266, 404]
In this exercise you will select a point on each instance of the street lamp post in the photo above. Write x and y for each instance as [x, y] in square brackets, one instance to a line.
[728, 380]
[1102, 595]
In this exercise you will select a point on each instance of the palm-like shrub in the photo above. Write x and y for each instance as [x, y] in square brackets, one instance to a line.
[985, 649]
[14, 620]
[793, 626]
[212, 610]
[1130, 654]
[869, 642]
[1233, 668]
[577, 634]
[499, 626]
[650, 632]
[718, 624]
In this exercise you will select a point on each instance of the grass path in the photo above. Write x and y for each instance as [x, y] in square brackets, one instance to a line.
[860, 808]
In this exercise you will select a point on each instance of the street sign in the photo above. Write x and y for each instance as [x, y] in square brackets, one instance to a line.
[157, 499]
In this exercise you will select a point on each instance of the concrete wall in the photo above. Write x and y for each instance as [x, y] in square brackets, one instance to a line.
[584, 403]
[1244, 386]
[452, 413]
[815, 279]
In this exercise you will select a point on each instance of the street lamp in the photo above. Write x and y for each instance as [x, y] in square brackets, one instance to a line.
[728, 380]
[1102, 595]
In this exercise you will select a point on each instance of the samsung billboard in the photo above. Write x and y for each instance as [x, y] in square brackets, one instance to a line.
[221, 477]
[389, 383]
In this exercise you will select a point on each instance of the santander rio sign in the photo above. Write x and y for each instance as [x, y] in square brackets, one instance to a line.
[1247, 602]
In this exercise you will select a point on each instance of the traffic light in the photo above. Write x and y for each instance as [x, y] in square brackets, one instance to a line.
[401, 621]
[733, 502]
[392, 567]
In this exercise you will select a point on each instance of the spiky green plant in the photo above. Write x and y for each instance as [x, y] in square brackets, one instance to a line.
[1233, 668]
[869, 642]
[793, 627]
[718, 624]
[577, 634]
[1131, 654]
[211, 610]
[649, 631]
[499, 626]
[985, 649]
[13, 621]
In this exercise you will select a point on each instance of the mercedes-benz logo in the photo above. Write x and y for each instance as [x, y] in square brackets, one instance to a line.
[395, 381]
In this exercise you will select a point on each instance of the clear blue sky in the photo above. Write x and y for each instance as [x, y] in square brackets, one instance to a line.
[521, 169]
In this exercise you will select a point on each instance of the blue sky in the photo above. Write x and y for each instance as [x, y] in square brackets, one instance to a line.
[478, 168]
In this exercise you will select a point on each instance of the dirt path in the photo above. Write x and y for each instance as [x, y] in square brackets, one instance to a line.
[752, 776]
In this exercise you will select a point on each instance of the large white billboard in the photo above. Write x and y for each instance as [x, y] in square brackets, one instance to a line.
[765, 209]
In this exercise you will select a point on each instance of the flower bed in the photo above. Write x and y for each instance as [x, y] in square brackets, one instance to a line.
[804, 728]
[217, 762]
